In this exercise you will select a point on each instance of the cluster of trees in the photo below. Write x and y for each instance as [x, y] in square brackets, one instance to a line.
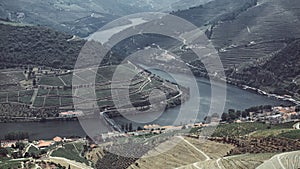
[16, 136]
[34, 155]
[58, 166]
[259, 108]
[19, 145]
[3, 152]
[233, 114]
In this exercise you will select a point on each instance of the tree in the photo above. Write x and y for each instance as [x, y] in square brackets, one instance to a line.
[238, 113]
[297, 109]
[26, 155]
[17, 154]
[245, 114]
[20, 145]
[130, 127]
[232, 115]
[207, 119]
[43, 152]
[139, 128]
[33, 82]
[3, 152]
[225, 117]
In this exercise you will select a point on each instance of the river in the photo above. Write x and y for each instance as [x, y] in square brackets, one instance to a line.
[236, 99]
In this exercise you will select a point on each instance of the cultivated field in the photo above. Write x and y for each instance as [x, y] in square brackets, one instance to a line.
[284, 160]
[186, 153]
[55, 90]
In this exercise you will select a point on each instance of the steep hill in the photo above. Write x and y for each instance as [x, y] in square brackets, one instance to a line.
[279, 74]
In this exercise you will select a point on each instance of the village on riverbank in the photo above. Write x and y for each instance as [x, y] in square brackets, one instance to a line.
[279, 124]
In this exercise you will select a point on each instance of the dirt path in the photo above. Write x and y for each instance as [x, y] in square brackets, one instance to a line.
[200, 151]
[62, 81]
[35, 92]
[70, 162]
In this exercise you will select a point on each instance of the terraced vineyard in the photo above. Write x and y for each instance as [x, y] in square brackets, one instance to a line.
[184, 155]
[71, 151]
[250, 161]
[55, 90]
[284, 160]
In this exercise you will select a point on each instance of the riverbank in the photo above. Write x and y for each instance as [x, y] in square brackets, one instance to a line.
[265, 93]
[35, 119]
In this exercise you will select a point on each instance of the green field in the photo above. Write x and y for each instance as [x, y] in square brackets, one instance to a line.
[10, 164]
[26, 93]
[66, 92]
[293, 134]
[253, 129]
[3, 97]
[50, 81]
[39, 101]
[53, 92]
[101, 94]
[71, 151]
[33, 150]
[25, 99]
[67, 79]
[42, 92]
[68, 101]
[13, 96]
[52, 101]
[7, 163]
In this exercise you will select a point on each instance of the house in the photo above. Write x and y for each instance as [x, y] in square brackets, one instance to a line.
[152, 127]
[171, 128]
[71, 114]
[8, 144]
[57, 139]
[44, 144]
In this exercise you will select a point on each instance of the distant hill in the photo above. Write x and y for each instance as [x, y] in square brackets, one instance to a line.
[73, 17]
[82, 17]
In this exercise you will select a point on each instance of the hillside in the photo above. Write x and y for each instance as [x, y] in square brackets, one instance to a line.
[261, 47]
[25, 45]
[248, 34]
[279, 74]
[256, 40]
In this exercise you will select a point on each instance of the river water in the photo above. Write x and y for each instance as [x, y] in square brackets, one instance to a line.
[236, 99]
